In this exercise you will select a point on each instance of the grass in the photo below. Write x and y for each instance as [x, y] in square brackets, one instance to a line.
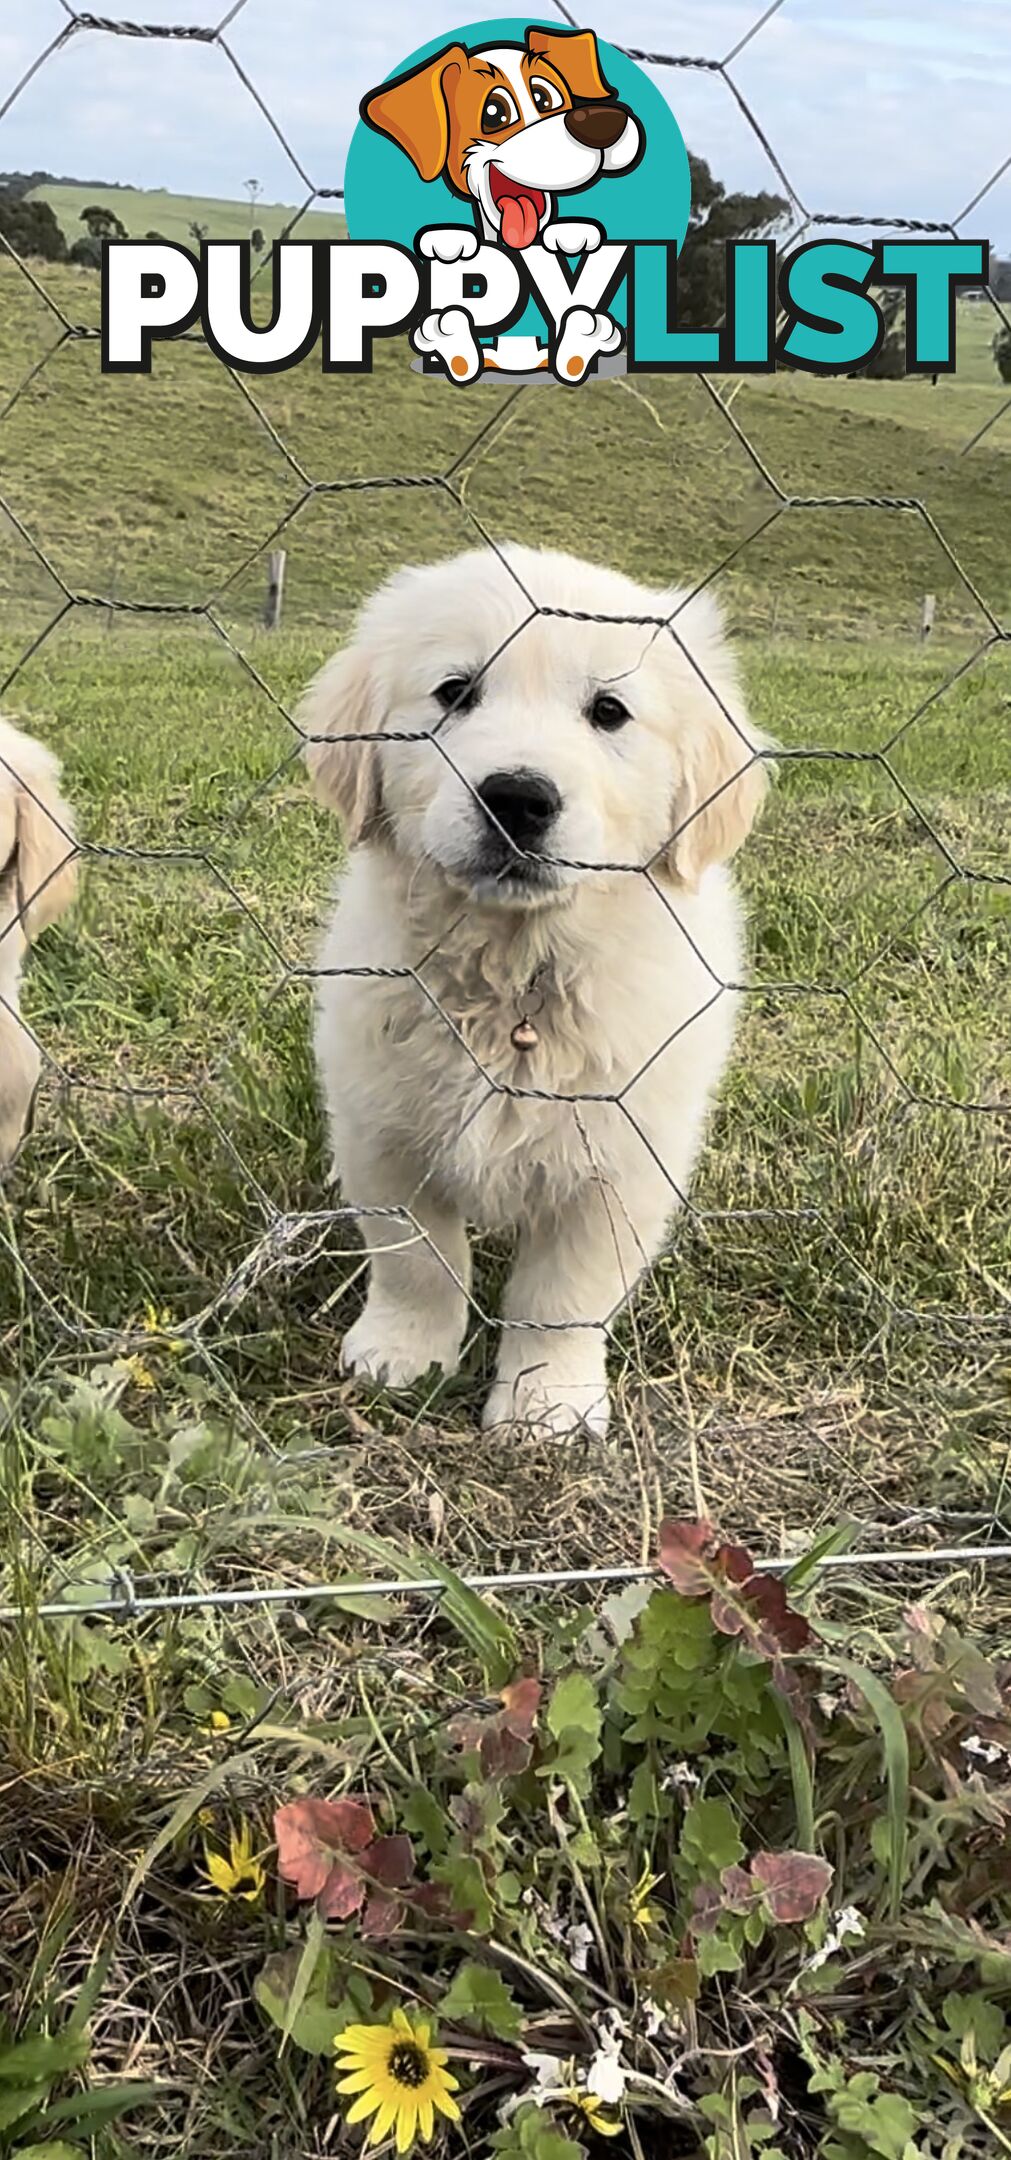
[823, 1342]
[144, 210]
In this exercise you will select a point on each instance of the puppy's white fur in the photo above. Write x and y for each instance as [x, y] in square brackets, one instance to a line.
[633, 1020]
[37, 879]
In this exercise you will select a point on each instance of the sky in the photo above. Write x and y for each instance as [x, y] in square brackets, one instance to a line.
[874, 108]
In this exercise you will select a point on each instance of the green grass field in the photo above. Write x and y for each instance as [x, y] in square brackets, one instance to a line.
[144, 210]
[822, 1345]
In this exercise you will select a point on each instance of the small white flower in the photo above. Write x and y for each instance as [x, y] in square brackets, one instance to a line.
[983, 1750]
[680, 1778]
[579, 1940]
[844, 1924]
[607, 2078]
[549, 2075]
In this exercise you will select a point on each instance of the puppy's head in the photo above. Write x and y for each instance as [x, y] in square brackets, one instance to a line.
[38, 871]
[510, 126]
[519, 753]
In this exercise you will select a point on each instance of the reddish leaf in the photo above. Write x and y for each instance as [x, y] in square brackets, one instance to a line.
[707, 1905]
[684, 1547]
[739, 1892]
[433, 1899]
[522, 1702]
[342, 1894]
[311, 1834]
[757, 1609]
[390, 1861]
[792, 1883]
[503, 1753]
[383, 1915]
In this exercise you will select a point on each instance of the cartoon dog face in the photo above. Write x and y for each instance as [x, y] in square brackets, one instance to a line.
[510, 126]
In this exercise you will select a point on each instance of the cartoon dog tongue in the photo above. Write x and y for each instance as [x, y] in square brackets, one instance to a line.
[519, 221]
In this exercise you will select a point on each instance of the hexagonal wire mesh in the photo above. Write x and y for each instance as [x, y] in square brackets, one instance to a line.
[288, 1235]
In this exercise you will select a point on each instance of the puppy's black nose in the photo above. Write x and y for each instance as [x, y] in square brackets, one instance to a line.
[596, 126]
[523, 803]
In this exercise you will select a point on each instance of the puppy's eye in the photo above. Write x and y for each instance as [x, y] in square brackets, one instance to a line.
[498, 112]
[457, 694]
[546, 96]
[608, 712]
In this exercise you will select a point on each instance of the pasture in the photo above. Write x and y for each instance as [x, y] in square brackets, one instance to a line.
[823, 1346]
[144, 210]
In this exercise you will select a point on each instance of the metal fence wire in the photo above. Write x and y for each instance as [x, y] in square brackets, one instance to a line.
[285, 1236]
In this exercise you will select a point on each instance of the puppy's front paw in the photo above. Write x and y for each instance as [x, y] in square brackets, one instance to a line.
[448, 243]
[450, 336]
[572, 237]
[584, 335]
[549, 1403]
[394, 1346]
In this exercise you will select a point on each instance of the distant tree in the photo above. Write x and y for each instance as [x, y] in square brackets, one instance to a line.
[257, 241]
[1002, 353]
[199, 232]
[102, 223]
[1000, 276]
[159, 236]
[31, 227]
[87, 253]
[717, 217]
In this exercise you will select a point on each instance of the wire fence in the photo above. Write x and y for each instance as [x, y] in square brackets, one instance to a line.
[285, 1238]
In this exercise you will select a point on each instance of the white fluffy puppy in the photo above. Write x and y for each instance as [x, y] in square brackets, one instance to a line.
[521, 1011]
[37, 879]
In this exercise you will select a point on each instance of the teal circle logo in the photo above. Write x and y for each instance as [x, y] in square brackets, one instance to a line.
[522, 136]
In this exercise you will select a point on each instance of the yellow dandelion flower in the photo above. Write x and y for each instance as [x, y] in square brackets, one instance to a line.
[157, 1320]
[593, 2111]
[641, 1913]
[219, 1721]
[397, 2077]
[140, 1373]
[242, 1875]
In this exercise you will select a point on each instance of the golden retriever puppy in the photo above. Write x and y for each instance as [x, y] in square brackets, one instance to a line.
[37, 880]
[526, 991]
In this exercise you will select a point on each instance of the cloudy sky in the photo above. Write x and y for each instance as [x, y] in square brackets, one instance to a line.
[896, 108]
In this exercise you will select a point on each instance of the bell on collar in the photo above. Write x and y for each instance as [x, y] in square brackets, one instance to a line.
[524, 1035]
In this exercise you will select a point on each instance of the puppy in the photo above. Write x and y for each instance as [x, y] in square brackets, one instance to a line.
[525, 998]
[37, 881]
[512, 128]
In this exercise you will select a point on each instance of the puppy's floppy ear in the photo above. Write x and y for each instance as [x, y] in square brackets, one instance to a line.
[574, 54]
[723, 778]
[414, 109]
[342, 702]
[38, 857]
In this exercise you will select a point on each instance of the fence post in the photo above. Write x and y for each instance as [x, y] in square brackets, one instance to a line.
[275, 590]
[927, 617]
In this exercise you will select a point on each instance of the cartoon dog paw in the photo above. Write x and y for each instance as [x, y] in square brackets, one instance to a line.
[582, 337]
[448, 243]
[572, 238]
[450, 336]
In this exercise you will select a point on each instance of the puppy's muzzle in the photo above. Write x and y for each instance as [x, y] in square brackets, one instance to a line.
[597, 127]
[520, 805]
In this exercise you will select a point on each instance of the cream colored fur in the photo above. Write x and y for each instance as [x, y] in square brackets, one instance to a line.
[417, 1064]
[37, 878]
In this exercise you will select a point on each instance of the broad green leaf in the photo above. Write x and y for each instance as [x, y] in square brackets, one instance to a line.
[709, 1836]
[51, 2151]
[40, 2057]
[574, 1707]
[19, 2100]
[478, 1996]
